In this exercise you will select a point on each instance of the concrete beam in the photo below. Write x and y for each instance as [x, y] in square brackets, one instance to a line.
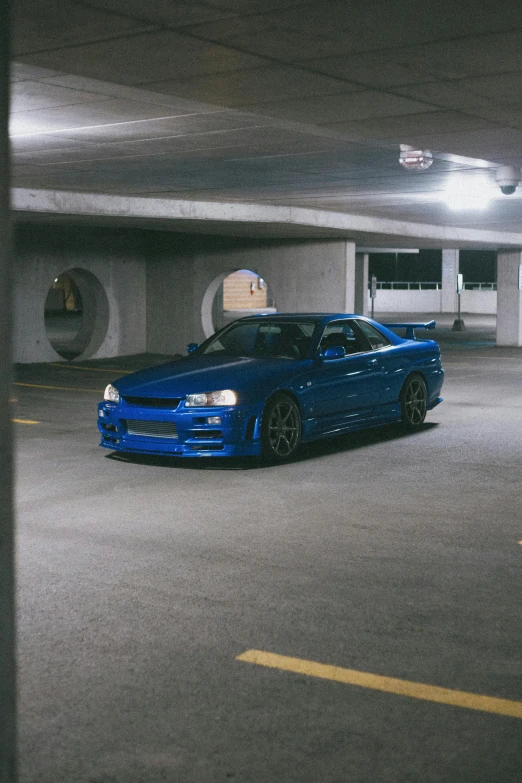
[253, 220]
[7, 620]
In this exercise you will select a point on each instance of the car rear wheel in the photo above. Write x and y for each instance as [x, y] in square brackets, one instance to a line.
[414, 396]
[281, 428]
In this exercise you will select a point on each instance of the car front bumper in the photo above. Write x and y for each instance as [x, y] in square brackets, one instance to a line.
[184, 432]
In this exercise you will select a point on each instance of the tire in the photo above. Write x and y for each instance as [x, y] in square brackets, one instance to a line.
[280, 428]
[414, 399]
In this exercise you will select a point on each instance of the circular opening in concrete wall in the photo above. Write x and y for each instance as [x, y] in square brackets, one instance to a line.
[234, 295]
[76, 314]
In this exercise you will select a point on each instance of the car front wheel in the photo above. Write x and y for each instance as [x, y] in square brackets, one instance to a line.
[281, 428]
[414, 398]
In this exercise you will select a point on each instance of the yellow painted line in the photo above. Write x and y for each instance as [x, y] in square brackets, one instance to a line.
[415, 690]
[92, 369]
[59, 388]
[24, 421]
[520, 542]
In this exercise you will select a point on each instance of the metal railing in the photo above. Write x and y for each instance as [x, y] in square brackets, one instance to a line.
[480, 286]
[430, 286]
[400, 286]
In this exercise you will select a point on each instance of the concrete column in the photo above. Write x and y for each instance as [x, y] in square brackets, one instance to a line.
[361, 283]
[349, 271]
[450, 270]
[509, 298]
[7, 630]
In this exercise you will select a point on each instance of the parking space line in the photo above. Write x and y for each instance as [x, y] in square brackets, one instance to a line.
[59, 388]
[24, 421]
[91, 369]
[415, 690]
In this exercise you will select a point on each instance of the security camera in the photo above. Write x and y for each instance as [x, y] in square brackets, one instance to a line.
[508, 177]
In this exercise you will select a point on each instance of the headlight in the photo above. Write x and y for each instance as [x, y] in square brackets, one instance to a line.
[206, 399]
[111, 394]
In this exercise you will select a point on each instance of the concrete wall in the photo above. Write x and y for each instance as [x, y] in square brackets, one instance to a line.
[479, 302]
[430, 301]
[159, 285]
[388, 301]
[183, 272]
[172, 321]
[115, 257]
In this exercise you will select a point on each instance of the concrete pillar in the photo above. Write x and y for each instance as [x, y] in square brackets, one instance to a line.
[349, 271]
[509, 298]
[7, 632]
[450, 270]
[361, 283]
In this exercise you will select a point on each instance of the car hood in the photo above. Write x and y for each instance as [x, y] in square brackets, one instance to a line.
[194, 374]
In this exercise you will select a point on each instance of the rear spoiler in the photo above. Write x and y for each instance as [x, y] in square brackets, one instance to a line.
[410, 328]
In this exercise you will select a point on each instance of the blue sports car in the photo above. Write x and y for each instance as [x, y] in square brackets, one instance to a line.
[264, 384]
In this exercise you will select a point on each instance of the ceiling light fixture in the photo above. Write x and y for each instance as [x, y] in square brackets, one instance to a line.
[414, 160]
[463, 193]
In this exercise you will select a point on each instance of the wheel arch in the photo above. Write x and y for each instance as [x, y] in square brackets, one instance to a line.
[410, 375]
[288, 393]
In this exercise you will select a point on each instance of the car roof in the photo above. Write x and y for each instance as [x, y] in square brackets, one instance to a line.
[320, 317]
[323, 319]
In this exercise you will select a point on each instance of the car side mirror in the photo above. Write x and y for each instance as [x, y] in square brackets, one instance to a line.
[334, 352]
[191, 347]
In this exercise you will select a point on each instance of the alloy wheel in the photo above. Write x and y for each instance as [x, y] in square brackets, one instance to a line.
[415, 402]
[283, 428]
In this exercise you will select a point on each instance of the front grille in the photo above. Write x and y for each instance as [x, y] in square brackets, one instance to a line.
[152, 429]
[154, 402]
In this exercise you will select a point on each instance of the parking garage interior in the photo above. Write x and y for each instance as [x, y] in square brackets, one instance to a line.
[352, 614]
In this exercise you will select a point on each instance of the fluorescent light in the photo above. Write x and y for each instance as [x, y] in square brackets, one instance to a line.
[468, 193]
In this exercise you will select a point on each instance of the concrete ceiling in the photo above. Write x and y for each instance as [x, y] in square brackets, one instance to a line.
[284, 103]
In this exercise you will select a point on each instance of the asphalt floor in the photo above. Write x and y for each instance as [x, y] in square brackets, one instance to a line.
[388, 565]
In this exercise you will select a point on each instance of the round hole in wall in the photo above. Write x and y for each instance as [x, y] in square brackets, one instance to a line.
[233, 295]
[76, 314]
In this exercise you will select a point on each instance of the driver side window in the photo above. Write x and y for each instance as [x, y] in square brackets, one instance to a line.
[341, 333]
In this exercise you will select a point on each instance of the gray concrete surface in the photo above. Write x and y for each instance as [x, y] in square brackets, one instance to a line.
[108, 267]
[140, 580]
[299, 104]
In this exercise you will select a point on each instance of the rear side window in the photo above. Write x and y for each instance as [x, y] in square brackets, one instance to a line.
[375, 338]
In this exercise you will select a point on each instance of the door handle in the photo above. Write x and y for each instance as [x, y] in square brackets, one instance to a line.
[372, 364]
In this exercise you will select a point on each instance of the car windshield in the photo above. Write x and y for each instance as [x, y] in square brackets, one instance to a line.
[263, 339]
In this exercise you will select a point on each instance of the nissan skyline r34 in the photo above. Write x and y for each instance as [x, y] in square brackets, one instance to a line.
[264, 384]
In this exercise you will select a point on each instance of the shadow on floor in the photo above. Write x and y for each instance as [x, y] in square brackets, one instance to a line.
[308, 451]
